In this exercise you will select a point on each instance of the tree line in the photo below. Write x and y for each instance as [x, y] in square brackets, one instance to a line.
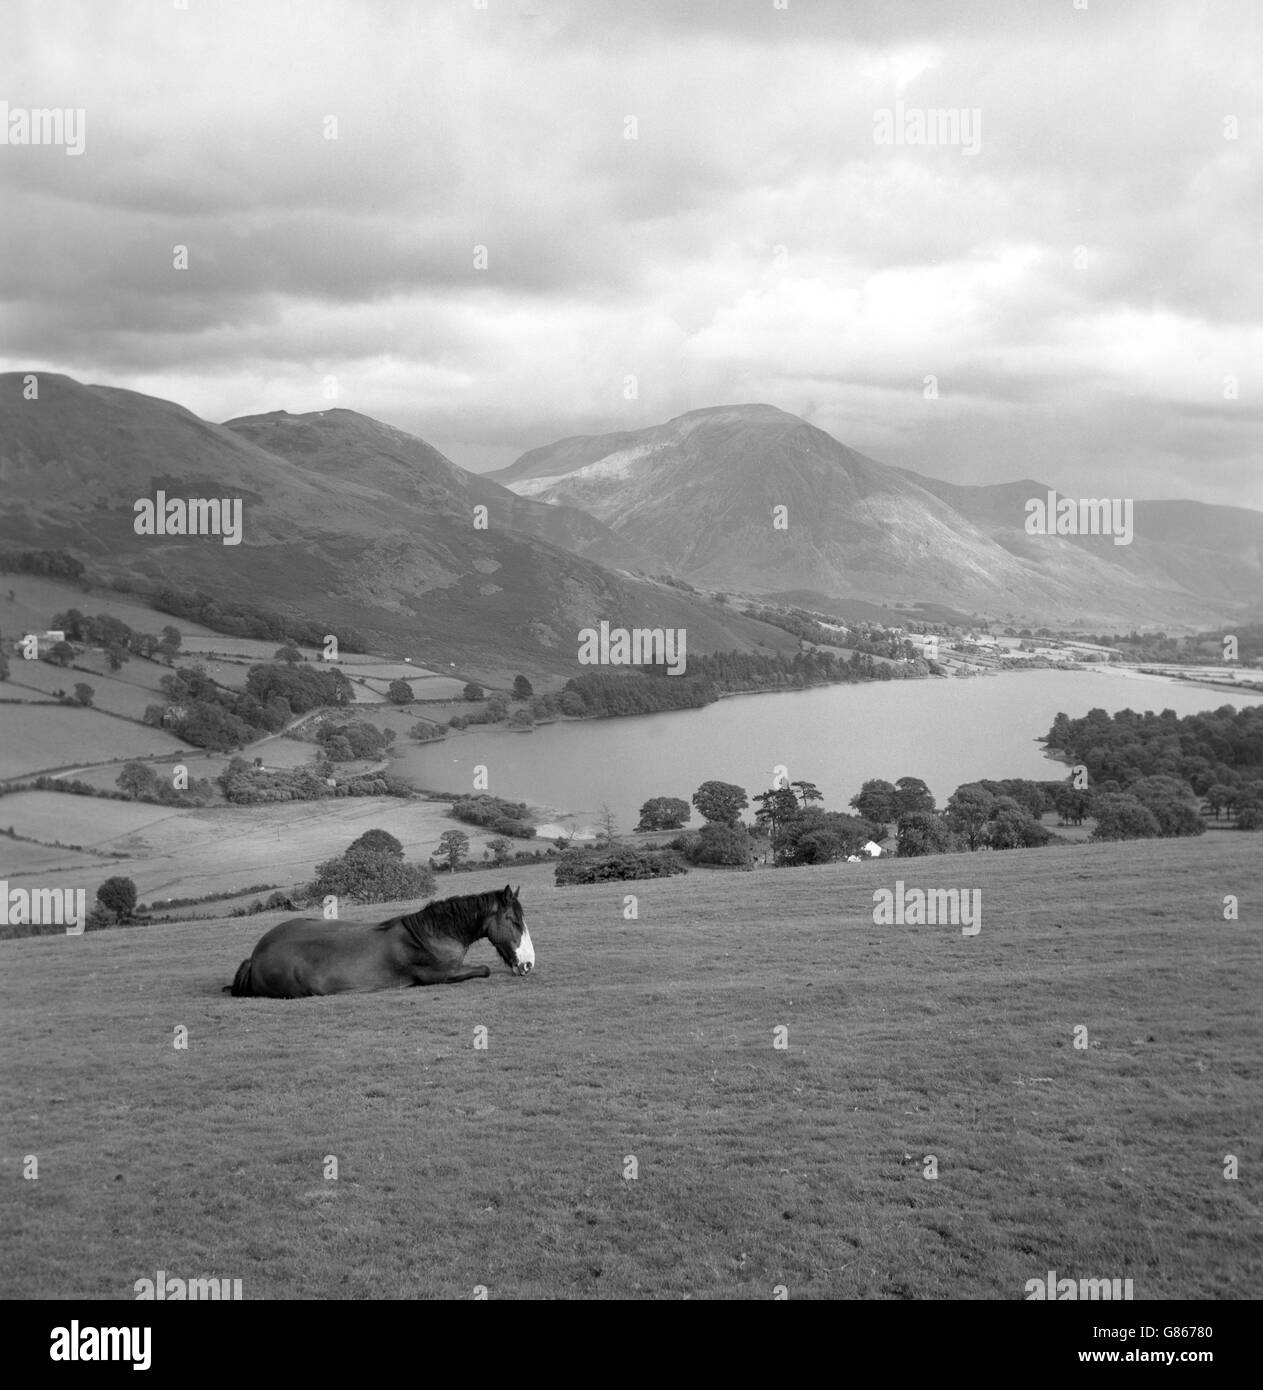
[1216, 755]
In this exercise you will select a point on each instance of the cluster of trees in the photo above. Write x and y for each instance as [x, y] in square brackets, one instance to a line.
[353, 740]
[119, 642]
[249, 620]
[505, 817]
[648, 689]
[978, 815]
[1008, 814]
[371, 869]
[209, 715]
[796, 829]
[541, 707]
[1218, 754]
[616, 862]
[303, 688]
[55, 564]
[117, 639]
[608, 693]
[139, 782]
[245, 785]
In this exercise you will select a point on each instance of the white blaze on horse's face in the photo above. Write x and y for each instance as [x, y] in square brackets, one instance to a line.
[525, 953]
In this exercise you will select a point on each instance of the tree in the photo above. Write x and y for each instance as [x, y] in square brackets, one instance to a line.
[1072, 803]
[473, 691]
[72, 623]
[807, 791]
[607, 826]
[912, 795]
[521, 719]
[115, 656]
[423, 731]
[399, 692]
[1217, 797]
[922, 832]
[1250, 817]
[1172, 803]
[377, 841]
[877, 801]
[1008, 825]
[522, 688]
[497, 709]
[170, 641]
[776, 807]
[573, 704]
[968, 809]
[4, 667]
[1122, 817]
[664, 813]
[136, 779]
[499, 847]
[370, 877]
[819, 837]
[117, 896]
[715, 843]
[720, 802]
[455, 845]
[338, 749]
[84, 694]
[289, 653]
[62, 654]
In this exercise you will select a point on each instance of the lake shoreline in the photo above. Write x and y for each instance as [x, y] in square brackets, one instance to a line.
[837, 735]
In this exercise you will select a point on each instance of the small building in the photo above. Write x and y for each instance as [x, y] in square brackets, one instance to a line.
[872, 849]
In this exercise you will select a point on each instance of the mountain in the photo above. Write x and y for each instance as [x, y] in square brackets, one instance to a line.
[344, 445]
[345, 521]
[701, 489]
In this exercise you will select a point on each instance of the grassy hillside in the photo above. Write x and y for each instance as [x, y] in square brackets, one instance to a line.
[653, 1039]
[392, 550]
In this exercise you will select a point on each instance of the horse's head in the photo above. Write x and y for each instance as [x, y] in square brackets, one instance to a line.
[506, 930]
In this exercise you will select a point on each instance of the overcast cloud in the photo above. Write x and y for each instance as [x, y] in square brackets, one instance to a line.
[1081, 287]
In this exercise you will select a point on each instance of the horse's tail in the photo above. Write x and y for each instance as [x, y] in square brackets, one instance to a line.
[241, 981]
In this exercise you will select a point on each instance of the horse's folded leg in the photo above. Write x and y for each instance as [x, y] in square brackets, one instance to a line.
[454, 977]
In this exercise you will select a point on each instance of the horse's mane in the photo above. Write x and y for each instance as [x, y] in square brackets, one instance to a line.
[445, 915]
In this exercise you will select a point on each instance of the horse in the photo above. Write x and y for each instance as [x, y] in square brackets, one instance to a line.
[307, 955]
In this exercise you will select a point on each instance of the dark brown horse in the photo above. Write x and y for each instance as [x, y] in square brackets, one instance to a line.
[307, 955]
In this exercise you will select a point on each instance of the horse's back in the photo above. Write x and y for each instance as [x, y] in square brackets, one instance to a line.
[308, 955]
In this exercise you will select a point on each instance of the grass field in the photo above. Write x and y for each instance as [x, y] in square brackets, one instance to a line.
[653, 1040]
[38, 737]
[175, 852]
[31, 679]
[36, 600]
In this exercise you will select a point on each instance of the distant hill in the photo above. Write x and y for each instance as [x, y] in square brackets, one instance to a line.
[700, 490]
[346, 446]
[346, 521]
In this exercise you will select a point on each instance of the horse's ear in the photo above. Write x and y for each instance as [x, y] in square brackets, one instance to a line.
[507, 895]
[517, 893]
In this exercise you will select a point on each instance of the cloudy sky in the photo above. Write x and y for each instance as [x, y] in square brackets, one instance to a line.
[696, 194]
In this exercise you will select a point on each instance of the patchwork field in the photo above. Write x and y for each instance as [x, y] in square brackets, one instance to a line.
[126, 697]
[184, 853]
[37, 737]
[631, 1130]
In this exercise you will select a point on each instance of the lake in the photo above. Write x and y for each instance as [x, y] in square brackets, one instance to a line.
[943, 731]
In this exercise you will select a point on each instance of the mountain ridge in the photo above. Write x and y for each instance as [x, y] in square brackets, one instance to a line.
[700, 488]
